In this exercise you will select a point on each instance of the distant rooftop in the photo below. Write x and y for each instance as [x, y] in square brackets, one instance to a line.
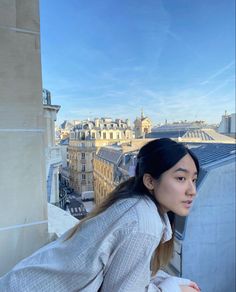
[207, 135]
[66, 125]
[197, 135]
[111, 154]
[184, 126]
[209, 153]
[166, 134]
[64, 141]
[103, 123]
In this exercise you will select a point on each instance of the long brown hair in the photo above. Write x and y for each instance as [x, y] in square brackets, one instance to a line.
[154, 158]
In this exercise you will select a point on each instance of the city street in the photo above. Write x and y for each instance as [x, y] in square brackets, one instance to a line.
[76, 206]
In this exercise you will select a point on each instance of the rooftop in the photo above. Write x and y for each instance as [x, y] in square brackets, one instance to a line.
[166, 134]
[64, 141]
[183, 126]
[111, 154]
[207, 135]
[209, 153]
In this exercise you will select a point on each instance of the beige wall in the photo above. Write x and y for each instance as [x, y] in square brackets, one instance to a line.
[76, 161]
[142, 126]
[103, 179]
[23, 208]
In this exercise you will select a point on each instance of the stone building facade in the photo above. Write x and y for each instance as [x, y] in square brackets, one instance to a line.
[142, 126]
[81, 155]
[105, 164]
[85, 140]
[23, 176]
[113, 165]
[228, 125]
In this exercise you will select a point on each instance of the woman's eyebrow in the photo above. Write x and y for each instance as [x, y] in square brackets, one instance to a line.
[184, 170]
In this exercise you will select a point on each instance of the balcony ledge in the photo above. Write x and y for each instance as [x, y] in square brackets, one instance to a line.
[59, 221]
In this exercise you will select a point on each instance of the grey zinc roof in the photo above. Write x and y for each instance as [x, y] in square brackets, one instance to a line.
[212, 152]
[111, 154]
[198, 134]
[166, 134]
[207, 135]
[64, 141]
[176, 127]
[130, 160]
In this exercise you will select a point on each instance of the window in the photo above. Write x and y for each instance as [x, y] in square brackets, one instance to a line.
[111, 135]
[82, 136]
[104, 136]
[83, 155]
[93, 135]
[83, 176]
[83, 167]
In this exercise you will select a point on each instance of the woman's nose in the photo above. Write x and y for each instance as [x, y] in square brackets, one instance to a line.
[191, 189]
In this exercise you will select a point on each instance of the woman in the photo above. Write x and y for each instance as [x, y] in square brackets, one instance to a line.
[122, 245]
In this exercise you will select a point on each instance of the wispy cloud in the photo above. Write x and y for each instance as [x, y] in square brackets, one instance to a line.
[218, 72]
[184, 43]
[217, 88]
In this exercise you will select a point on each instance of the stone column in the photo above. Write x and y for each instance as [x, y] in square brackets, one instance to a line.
[23, 208]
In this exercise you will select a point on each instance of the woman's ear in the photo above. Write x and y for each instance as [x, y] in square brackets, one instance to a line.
[148, 181]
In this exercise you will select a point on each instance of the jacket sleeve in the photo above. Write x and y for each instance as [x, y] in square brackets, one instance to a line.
[167, 282]
[129, 267]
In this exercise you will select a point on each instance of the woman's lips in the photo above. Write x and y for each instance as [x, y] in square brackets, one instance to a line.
[187, 204]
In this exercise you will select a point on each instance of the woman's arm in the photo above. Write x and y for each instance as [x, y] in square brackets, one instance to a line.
[188, 289]
[129, 268]
[161, 279]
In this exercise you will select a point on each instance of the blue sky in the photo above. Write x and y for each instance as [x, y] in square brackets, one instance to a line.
[173, 58]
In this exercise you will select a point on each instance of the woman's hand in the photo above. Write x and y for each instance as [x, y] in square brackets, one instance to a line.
[187, 289]
[192, 287]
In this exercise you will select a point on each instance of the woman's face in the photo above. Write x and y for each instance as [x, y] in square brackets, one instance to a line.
[176, 188]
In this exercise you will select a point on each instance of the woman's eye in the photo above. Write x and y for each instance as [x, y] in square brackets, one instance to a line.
[195, 180]
[181, 178]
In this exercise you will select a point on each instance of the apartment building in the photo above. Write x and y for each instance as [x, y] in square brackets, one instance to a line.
[105, 165]
[85, 140]
[114, 164]
[228, 125]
